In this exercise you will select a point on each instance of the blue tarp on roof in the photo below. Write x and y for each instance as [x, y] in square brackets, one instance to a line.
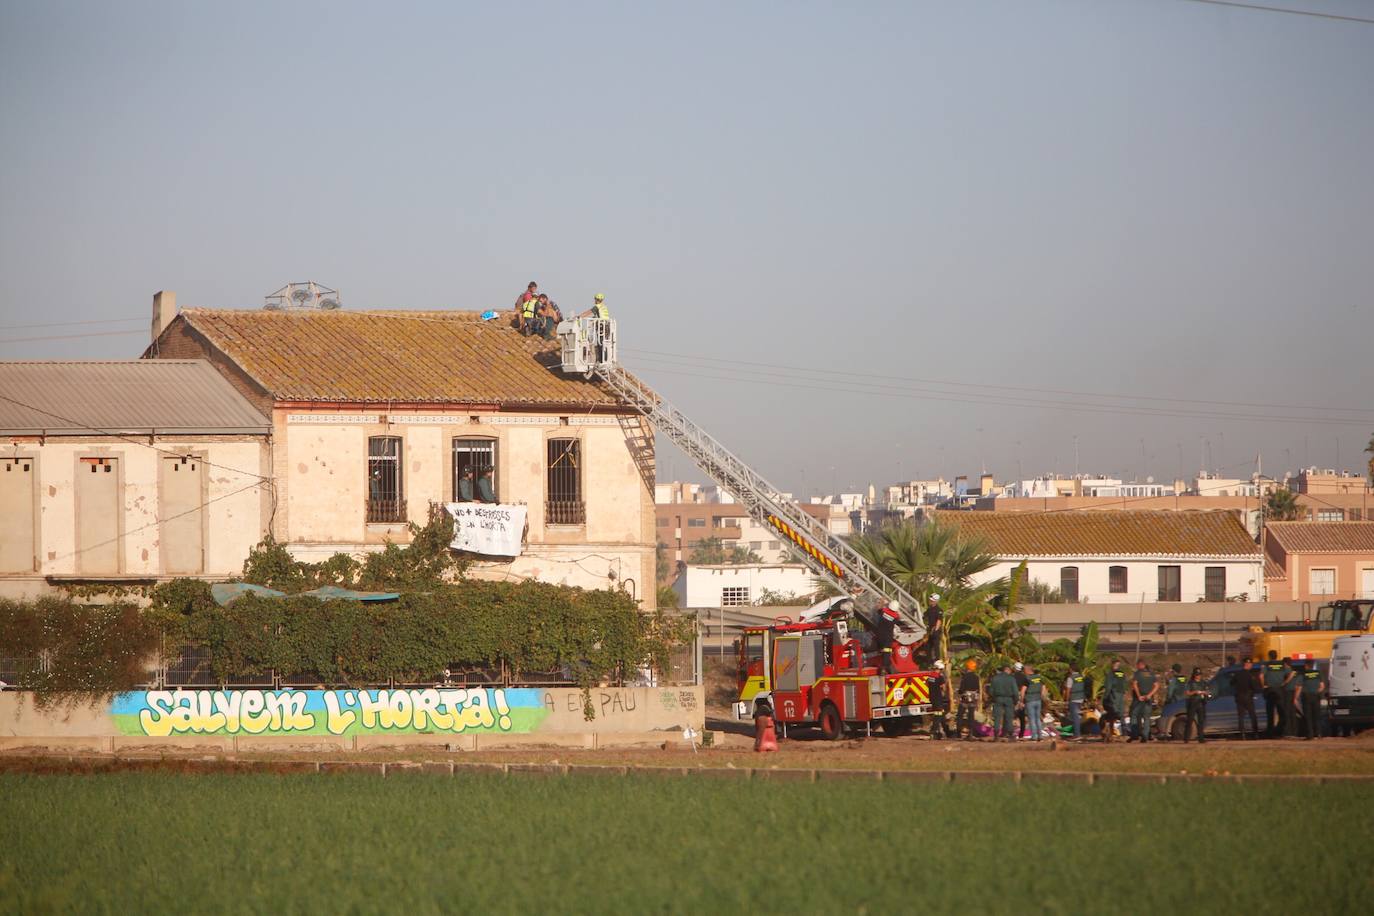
[226, 592]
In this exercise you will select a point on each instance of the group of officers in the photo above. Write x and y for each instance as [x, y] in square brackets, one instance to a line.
[1018, 696]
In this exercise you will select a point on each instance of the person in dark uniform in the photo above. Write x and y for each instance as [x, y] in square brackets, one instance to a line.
[1113, 700]
[969, 691]
[1144, 689]
[939, 703]
[1177, 685]
[1018, 671]
[1311, 694]
[1196, 693]
[1276, 713]
[1075, 692]
[1290, 687]
[935, 628]
[1243, 685]
[1003, 689]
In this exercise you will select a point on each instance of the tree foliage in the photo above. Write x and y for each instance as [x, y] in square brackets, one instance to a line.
[1282, 505]
[714, 552]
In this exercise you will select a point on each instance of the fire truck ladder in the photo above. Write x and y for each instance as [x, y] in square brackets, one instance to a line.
[827, 555]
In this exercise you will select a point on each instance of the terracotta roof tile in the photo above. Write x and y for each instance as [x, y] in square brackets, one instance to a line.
[1323, 537]
[1273, 569]
[1108, 533]
[440, 357]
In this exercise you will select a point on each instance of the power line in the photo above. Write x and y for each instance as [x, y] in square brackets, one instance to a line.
[155, 523]
[874, 389]
[68, 324]
[812, 371]
[71, 336]
[1282, 9]
[130, 439]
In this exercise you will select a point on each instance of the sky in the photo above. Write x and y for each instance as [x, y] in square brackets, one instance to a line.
[857, 242]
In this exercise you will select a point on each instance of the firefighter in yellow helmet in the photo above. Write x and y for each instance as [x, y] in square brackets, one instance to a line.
[598, 309]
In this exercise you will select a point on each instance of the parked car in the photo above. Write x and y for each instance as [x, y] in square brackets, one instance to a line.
[1351, 695]
[1222, 718]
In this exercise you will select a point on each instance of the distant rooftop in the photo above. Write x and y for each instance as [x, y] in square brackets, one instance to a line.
[1123, 533]
[72, 398]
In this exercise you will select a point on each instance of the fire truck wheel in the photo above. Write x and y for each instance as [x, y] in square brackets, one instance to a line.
[832, 726]
[896, 728]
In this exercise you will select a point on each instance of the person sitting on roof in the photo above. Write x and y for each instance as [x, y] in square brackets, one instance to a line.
[525, 305]
[548, 315]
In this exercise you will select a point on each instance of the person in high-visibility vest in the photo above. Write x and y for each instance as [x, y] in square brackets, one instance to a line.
[525, 305]
[598, 309]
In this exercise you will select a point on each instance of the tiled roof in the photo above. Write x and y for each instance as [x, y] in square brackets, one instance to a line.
[1108, 533]
[1273, 569]
[1323, 537]
[135, 396]
[373, 357]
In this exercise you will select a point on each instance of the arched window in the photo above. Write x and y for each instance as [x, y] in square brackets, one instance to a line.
[1068, 583]
[1116, 580]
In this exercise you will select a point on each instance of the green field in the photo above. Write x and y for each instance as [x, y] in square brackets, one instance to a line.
[144, 843]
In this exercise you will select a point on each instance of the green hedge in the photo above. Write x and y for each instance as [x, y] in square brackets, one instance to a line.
[592, 636]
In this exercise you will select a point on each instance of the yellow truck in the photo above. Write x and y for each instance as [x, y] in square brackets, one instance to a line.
[1311, 638]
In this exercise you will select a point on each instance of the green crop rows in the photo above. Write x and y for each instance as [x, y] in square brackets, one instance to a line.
[148, 843]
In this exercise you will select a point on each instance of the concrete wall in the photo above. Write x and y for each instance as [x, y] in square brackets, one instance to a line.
[174, 716]
[323, 482]
[1142, 577]
[701, 586]
[233, 518]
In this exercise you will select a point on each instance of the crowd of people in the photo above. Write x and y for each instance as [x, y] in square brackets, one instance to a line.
[538, 315]
[1018, 701]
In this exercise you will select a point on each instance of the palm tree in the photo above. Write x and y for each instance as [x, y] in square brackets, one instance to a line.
[1282, 505]
[1369, 450]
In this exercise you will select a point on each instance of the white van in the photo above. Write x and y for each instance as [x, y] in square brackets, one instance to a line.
[1350, 687]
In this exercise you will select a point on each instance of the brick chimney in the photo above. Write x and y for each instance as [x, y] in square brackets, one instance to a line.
[164, 310]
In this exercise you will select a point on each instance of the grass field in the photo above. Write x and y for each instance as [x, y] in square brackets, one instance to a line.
[143, 843]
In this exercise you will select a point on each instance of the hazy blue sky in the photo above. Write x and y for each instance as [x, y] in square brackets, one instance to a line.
[1143, 198]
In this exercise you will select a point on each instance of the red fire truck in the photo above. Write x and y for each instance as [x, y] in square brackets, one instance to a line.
[816, 673]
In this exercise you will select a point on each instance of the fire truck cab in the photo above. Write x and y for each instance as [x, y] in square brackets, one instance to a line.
[817, 673]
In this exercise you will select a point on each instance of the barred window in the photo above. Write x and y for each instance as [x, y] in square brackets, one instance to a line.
[1116, 580]
[734, 596]
[385, 495]
[477, 456]
[1214, 583]
[564, 505]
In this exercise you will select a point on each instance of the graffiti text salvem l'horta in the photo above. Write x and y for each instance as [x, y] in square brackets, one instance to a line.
[257, 712]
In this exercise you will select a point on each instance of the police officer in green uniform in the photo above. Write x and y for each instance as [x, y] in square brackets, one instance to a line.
[1275, 713]
[1292, 684]
[1032, 700]
[1113, 699]
[1144, 689]
[1003, 689]
[1196, 693]
[1075, 691]
[1178, 685]
[1311, 693]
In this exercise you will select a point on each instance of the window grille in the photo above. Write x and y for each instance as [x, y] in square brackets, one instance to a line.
[385, 496]
[1215, 583]
[734, 596]
[479, 456]
[1116, 580]
[564, 505]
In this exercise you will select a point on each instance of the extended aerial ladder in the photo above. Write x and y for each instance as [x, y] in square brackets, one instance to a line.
[589, 349]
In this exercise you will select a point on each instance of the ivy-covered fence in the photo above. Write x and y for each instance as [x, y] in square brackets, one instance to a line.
[443, 627]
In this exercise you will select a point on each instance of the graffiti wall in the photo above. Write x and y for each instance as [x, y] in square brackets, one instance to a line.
[342, 713]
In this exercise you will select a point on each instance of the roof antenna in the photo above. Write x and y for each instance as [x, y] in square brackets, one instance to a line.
[307, 295]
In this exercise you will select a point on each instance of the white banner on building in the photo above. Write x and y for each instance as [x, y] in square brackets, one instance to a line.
[488, 528]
